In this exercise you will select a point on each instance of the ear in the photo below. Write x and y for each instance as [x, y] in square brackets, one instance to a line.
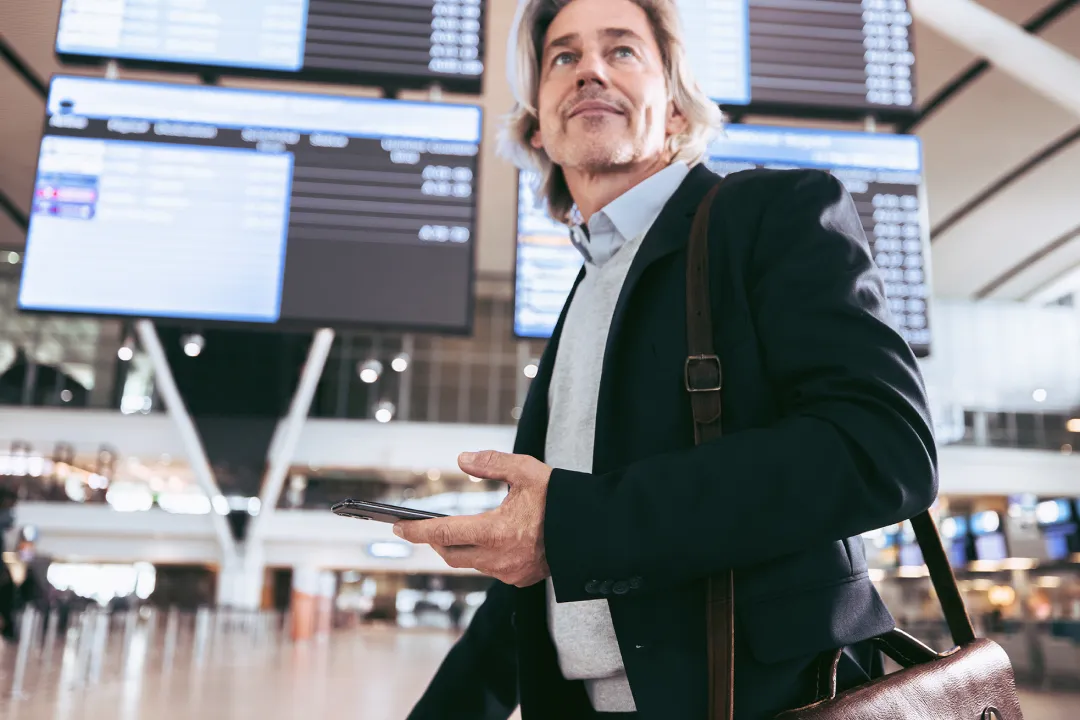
[537, 140]
[676, 121]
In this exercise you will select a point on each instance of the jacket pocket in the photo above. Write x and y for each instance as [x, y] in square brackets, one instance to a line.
[805, 622]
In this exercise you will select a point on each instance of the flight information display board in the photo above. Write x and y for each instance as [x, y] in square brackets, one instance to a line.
[196, 202]
[883, 173]
[833, 57]
[409, 42]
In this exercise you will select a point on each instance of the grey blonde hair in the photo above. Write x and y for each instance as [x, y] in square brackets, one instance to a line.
[524, 51]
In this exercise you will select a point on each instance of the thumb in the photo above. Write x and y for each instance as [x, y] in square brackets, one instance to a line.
[490, 465]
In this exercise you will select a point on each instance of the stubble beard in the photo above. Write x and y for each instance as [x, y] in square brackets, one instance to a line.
[595, 149]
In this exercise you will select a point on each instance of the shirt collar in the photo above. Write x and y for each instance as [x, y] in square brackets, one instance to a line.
[628, 216]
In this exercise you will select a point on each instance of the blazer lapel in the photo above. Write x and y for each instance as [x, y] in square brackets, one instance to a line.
[532, 428]
[668, 234]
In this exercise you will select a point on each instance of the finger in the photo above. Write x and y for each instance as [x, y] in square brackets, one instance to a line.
[490, 464]
[450, 531]
[464, 557]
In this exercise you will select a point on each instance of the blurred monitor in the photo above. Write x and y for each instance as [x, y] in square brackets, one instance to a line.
[986, 522]
[395, 42]
[882, 172]
[192, 202]
[1061, 533]
[954, 527]
[954, 536]
[1058, 545]
[841, 58]
[990, 543]
[1054, 512]
[911, 556]
[992, 547]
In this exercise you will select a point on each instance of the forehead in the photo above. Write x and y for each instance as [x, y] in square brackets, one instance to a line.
[593, 19]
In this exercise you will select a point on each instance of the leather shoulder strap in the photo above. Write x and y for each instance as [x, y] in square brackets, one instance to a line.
[941, 575]
[703, 372]
[704, 378]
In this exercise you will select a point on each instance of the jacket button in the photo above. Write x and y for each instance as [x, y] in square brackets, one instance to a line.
[605, 587]
[636, 583]
[592, 587]
[621, 588]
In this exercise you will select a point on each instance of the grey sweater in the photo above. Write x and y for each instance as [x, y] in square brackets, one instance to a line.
[583, 633]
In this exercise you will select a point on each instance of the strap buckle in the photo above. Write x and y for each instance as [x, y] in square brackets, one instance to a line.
[695, 361]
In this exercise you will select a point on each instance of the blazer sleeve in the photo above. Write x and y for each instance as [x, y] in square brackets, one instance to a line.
[478, 678]
[853, 449]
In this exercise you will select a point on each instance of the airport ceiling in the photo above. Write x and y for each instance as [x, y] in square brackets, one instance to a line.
[1002, 162]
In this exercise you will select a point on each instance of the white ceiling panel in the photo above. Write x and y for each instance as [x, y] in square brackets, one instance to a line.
[11, 235]
[1022, 219]
[22, 113]
[982, 134]
[981, 137]
[1046, 276]
[30, 27]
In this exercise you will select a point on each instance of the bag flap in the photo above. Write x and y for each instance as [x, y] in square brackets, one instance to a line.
[968, 684]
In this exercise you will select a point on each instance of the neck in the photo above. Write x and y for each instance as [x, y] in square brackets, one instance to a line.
[592, 191]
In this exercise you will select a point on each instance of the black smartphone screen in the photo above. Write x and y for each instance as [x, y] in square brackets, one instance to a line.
[366, 510]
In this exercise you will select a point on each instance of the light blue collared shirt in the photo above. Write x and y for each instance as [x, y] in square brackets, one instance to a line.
[627, 216]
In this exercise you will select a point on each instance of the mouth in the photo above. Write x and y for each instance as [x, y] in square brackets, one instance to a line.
[594, 107]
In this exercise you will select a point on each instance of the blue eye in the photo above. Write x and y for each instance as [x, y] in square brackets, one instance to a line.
[558, 59]
[624, 52]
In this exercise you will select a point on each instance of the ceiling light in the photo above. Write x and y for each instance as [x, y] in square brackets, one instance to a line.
[125, 353]
[400, 363]
[384, 411]
[1073, 425]
[531, 370]
[1039, 395]
[369, 371]
[193, 344]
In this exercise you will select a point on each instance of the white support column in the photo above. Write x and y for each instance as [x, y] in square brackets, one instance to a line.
[189, 436]
[283, 448]
[241, 579]
[1046, 69]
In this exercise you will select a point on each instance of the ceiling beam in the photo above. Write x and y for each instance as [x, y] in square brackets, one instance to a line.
[1035, 63]
[977, 69]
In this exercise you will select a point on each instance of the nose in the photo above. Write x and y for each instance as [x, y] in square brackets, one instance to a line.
[591, 71]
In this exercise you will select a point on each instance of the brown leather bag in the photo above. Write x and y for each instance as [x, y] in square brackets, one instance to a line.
[973, 681]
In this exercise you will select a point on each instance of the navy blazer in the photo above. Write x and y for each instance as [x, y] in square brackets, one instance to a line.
[826, 436]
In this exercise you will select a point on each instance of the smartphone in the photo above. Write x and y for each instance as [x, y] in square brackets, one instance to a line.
[365, 510]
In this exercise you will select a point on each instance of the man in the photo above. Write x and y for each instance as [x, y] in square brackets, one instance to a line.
[8, 589]
[614, 519]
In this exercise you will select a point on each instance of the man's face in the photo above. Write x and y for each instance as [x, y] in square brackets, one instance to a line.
[603, 100]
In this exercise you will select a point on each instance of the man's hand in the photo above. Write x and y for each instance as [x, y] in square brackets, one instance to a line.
[506, 543]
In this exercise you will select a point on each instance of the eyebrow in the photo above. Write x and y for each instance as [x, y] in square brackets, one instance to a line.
[612, 33]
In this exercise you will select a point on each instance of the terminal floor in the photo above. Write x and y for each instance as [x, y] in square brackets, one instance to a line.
[371, 674]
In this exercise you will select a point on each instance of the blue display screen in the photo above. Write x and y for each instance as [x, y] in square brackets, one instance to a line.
[883, 173]
[194, 202]
[812, 54]
[985, 523]
[436, 40]
[991, 547]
